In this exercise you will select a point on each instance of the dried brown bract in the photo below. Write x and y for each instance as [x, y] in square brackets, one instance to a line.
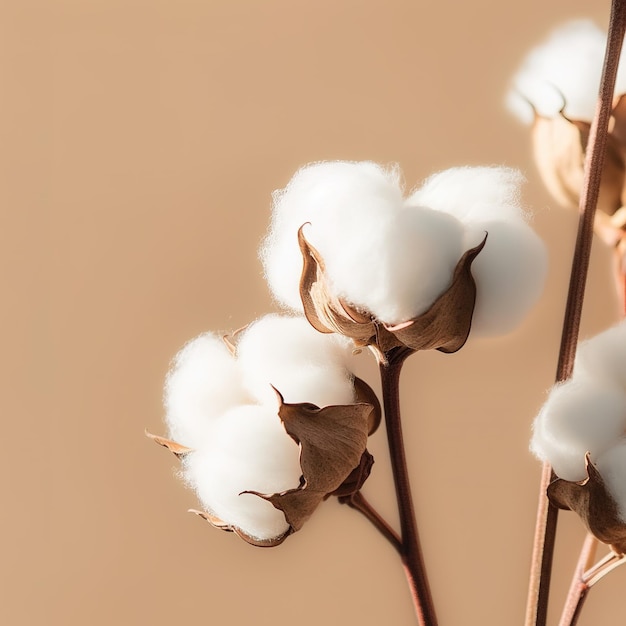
[445, 326]
[591, 500]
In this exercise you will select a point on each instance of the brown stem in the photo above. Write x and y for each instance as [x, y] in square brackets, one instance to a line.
[579, 588]
[545, 530]
[412, 557]
[358, 502]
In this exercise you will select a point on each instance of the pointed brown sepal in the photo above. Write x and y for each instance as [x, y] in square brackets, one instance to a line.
[324, 311]
[357, 477]
[175, 448]
[332, 444]
[216, 522]
[364, 394]
[447, 323]
[593, 503]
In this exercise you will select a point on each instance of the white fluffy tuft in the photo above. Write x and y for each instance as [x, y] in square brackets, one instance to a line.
[510, 271]
[604, 356]
[563, 73]
[249, 451]
[202, 383]
[303, 364]
[578, 417]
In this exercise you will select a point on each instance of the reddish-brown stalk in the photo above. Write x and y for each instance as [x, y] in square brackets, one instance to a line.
[545, 530]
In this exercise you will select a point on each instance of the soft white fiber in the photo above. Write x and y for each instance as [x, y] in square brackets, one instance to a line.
[588, 414]
[224, 408]
[249, 450]
[563, 73]
[393, 257]
[203, 382]
[578, 417]
[290, 355]
[510, 270]
[604, 356]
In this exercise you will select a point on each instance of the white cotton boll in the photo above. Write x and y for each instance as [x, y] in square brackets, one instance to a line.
[335, 194]
[509, 272]
[564, 72]
[473, 194]
[612, 468]
[604, 356]
[249, 450]
[303, 364]
[203, 383]
[579, 416]
[395, 269]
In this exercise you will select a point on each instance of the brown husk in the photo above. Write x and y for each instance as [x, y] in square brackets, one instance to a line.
[591, 500]
[445, 326]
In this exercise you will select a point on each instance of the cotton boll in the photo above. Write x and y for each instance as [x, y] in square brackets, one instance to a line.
[249, 450]
[509, 273]
[473, 194]
[563, 73]
[604, 356]
[337, 194]
[203, 383]
[612, 468]
[396, 270]
[579, 416]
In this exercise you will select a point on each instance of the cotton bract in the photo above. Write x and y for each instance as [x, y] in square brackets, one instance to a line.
[587, 414]
[391, 256]
[224, 409]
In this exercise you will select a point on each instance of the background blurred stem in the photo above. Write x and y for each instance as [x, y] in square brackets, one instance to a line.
[545, 530]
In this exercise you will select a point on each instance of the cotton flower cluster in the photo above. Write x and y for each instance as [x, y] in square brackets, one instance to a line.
[390, 256]
[587, 414]
[222, 407]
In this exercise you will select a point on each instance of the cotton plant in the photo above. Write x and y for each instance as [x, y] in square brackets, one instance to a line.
[581, 432]
[270, 421]
[555, 92]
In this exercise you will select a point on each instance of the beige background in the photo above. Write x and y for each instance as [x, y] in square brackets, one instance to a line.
[139, 143]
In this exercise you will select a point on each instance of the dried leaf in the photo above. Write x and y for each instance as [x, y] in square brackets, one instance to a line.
[216, 522]
[364, 394]
[446, 325]
[175, 448]
[332, 444]
[591, 500]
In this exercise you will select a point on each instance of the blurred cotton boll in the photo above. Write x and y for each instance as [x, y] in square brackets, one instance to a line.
[563, 74]
[587, 414]
[392, 257]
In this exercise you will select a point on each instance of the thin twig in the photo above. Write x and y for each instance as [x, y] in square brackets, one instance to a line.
[579, 588]
[412, 558]
[358, 502]
[545, 530]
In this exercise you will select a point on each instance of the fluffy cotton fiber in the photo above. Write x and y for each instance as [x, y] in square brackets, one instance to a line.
[224, 408]
[393, 256]
[563, 74]
[588, 414]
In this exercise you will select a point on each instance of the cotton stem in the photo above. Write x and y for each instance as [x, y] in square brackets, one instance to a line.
[411, 552]
[545, 530]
